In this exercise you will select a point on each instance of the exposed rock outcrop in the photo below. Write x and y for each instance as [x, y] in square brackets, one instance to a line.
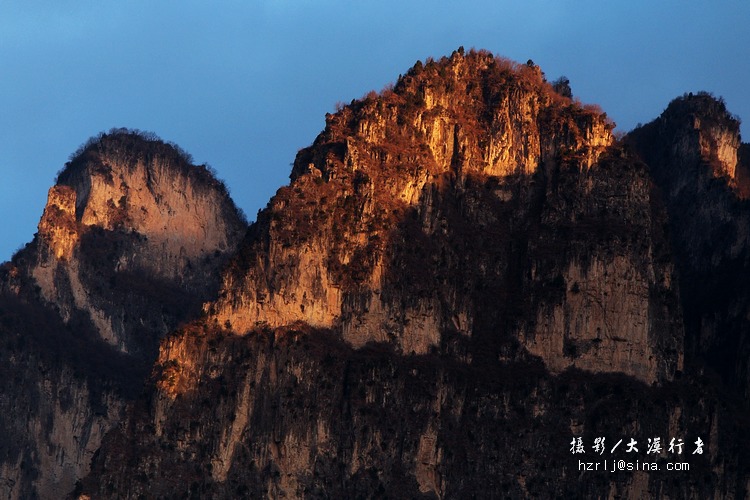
[130, 211]
[693, 150]
[431, 208]
[465, 273]
[297, 413]
[59, 227]
[130, 245]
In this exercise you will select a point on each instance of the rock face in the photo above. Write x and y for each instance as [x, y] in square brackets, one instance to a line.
[127, 207]
[129, 245]
[295, 413]
[465, 273]
[58, 227]
[61, 390]
[695, 152]
[470, 201]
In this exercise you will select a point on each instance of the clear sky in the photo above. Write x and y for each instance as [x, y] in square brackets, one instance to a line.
[242, 85]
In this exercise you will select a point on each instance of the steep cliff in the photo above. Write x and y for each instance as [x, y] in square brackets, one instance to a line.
[470, 202]
[129, 246]
[297, 413]
[132, 229]
[695, 154]
[465, 273]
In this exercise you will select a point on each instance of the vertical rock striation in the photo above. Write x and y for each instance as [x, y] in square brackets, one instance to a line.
[59, 227]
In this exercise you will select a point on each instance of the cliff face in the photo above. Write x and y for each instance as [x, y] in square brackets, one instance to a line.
[694, 150]
[61, 390]
[470, 202]
[297, 413]
[127, 212]
[464, 273]
[129, 245]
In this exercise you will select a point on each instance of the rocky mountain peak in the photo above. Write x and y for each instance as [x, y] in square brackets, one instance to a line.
[472, 112]
[465, 273]
[464, 268]
[130, 245]
[129, 208]
[418, 212]
[701, 131]
[696, 158]
[132, 181]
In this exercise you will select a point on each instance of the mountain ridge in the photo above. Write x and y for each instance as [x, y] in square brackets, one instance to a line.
[466, 272]
[454, 261]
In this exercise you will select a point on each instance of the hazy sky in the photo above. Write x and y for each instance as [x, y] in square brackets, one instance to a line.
[242, 85]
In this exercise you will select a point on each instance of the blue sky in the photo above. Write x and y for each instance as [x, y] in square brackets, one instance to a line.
[243, 85]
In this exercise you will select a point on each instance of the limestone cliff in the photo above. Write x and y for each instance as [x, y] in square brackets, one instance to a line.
[59, 227]
[694, 151]
[128, 212]
[61, 390]
[129, 245]
[469, 201]
[465, 272]
[295, 413]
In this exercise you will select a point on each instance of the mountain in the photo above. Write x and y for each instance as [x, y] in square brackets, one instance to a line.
[467, 276]
[129, 246]
[464, 204]
[697, 159]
